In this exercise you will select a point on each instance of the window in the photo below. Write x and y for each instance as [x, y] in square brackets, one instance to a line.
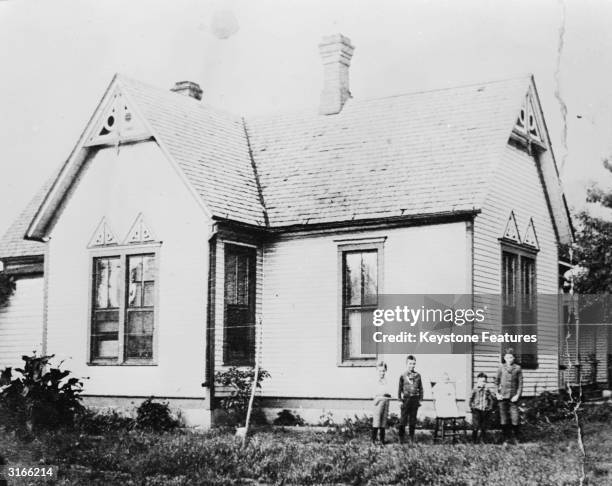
[519, 292]
[123, 308]
[239, 303]
[359, 298]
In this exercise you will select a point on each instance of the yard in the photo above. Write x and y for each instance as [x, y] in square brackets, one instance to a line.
[549, 456]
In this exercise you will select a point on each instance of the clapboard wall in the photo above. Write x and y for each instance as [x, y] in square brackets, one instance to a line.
[21, 321]
[517, 186]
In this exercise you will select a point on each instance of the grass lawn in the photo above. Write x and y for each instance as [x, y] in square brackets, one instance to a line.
[548, 457]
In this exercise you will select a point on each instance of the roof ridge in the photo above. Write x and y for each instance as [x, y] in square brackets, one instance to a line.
[187, 100]
[352, 101]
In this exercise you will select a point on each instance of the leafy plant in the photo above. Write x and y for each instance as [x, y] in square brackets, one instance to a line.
[240, 382]
[288, 418]
[155, 416]
[40, 396]
[7, 287]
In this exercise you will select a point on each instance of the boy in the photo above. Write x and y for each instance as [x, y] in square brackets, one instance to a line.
[481, 403]
[509, 382]
[410, 393]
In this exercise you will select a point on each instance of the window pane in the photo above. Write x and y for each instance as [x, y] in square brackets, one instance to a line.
[353, 336]
[106, 283]
[149, 269]
[101, 283]
[230, 277]
[135, 266]
[352, 278]
[242, 277]
[140, 322]
[139, 346]
[113, 282]
[149, 294]
[106, 321]
[134, 294]
[369, 266]
[106, 348]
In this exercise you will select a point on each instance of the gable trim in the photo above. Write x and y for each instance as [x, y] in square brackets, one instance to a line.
[48, 212]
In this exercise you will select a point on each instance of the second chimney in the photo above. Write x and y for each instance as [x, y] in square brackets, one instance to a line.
[336, 52]
[188, 88]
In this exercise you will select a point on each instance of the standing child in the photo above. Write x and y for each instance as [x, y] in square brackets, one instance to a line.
[481, 404]
[509, 383]
[410, 394]
[381, 404]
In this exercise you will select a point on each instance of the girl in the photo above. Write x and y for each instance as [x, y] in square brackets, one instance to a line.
[382, 396]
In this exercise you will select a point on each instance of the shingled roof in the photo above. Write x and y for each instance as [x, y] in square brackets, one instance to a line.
[416, 154]
[13, 244]
[420, 153]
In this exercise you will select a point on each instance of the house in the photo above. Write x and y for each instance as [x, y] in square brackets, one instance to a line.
[178, 240]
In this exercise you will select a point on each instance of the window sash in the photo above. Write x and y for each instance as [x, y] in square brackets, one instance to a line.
[360, 289]
[125, 333]
[519, 302]
[239, 297]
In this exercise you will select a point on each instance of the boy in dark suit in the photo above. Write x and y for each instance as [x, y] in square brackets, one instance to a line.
[410, 393]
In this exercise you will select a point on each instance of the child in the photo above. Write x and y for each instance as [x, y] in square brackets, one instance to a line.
[481, 403]
[509, 382]
[410, 394]
[381, 404]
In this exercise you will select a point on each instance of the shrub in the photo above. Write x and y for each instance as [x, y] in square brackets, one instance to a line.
[240, 381]
[99, 423]
[288, 418]
[7, 287]
[547, 407]
[155, 416]
[40, 397]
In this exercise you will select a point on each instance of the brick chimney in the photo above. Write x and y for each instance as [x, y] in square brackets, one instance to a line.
[188, 88]
[336, 52]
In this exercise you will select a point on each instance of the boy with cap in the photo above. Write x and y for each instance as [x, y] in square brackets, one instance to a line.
[410, 393]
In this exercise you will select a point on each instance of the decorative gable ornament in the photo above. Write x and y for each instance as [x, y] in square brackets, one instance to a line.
[530, 238]
[527, 122]
[103, 235]
[511, 232]
[117, 123]
[140, 232]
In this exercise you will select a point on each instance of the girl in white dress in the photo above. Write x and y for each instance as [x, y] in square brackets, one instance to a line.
[382, 395]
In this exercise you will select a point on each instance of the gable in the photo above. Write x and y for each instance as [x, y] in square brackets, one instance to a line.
[207, 149]
[530, 133]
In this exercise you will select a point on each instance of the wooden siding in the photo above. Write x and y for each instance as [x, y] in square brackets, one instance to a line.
[517, 186]
[119, 184]
[21, 322]
[300, 313]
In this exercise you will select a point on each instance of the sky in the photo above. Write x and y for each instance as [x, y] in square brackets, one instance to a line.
[254, 57]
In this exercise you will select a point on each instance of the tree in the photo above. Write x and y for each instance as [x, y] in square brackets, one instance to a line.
[593, 244]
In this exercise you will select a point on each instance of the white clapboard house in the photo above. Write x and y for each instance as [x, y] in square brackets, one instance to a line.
[178, 240]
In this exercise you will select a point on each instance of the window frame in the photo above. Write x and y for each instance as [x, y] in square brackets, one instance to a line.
[353, 246]
[521, 252]
[252, 293]
[123, 252]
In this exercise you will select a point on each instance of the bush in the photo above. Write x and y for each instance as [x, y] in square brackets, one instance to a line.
[288, 418]
[547, 407]
[40, 397]
[99, 423]
[155, 416]
[7, 287]
[240, 381]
